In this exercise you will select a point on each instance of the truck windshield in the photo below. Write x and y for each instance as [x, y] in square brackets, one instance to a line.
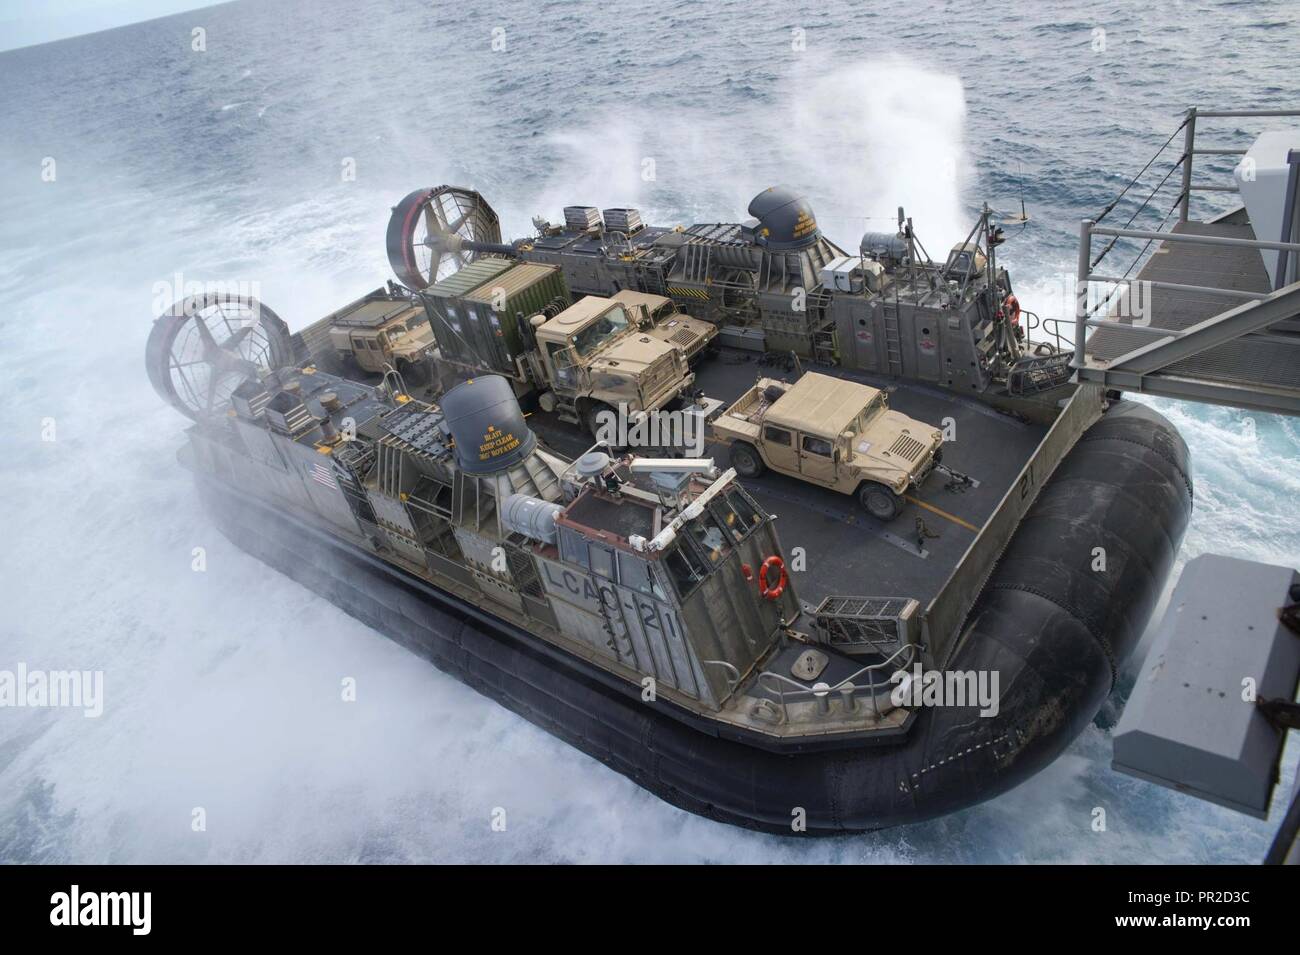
[600, 331]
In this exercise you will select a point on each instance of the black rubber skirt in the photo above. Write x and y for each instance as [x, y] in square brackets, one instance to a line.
[1054, 621]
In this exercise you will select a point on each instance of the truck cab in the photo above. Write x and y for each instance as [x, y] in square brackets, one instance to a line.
[658, 316]
[833, 433]
[595, 357]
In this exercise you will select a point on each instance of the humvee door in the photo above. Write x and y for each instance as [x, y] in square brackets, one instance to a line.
[778, 444]
[817, 458]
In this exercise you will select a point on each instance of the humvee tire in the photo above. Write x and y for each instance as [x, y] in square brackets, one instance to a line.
[746, 461]
[879, 501]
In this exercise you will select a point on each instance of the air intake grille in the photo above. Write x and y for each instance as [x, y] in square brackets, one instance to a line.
[906, 447]
[660, 373]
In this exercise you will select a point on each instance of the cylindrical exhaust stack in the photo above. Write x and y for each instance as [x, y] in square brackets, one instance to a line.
[487, 425]
[532, 517]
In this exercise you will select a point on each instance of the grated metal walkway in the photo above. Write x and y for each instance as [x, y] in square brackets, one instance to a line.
[1270, 360]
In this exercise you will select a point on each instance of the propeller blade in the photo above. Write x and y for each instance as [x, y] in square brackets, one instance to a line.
[235, 340]
[205, 333]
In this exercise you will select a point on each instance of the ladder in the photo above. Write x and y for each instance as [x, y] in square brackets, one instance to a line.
[863, 623]
[893, 346]
[652, 282]
[825, 351]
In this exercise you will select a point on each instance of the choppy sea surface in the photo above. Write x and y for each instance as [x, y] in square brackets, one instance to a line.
[227, 163]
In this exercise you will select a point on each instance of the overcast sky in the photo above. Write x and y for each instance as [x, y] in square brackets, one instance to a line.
[25, 22]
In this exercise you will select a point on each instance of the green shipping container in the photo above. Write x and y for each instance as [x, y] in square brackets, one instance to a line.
[479, 319]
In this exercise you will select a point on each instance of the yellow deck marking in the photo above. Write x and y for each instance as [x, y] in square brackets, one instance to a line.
[944, 514]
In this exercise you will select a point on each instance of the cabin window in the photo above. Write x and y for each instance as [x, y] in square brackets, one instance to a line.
[634, 572]
[602, 560]
[777, 436]
[573, 547]
[685, 570]
[713, 540]
[736, 516]
[745, 509]
[562, 360]
[815, 445]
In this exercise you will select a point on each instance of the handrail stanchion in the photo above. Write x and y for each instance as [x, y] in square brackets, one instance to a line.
[1081, 292]
[1189, 143]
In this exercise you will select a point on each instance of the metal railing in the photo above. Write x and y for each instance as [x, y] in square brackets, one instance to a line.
[1050, 329]
[848, 689]
[732, 674]
[1086, 314]
[1190, 152]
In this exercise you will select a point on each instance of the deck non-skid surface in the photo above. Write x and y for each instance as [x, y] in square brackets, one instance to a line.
[1239, 269]
[844, 550]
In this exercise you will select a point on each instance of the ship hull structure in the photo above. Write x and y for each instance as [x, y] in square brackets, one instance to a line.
[1052, 625]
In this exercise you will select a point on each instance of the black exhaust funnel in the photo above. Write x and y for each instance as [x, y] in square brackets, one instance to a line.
[485, 420]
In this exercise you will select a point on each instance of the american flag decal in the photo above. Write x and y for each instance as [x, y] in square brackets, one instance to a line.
[321, 474]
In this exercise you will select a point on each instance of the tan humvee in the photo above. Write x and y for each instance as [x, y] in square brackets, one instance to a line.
[595, 357]
[661, 320]
[384, 329]
[830, 432]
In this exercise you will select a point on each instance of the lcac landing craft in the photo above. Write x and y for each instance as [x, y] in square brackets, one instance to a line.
[730, 646]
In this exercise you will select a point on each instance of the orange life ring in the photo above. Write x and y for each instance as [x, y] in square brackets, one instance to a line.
[1011, 308]
[772, 593]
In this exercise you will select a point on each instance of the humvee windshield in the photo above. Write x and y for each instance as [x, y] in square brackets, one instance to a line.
[868, 413]
[600, 331]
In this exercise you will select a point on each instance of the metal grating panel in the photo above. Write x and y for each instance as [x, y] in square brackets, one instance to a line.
[1250, 361]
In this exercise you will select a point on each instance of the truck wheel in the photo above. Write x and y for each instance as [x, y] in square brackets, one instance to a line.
[351, 367]
[745, 459]
[591, 416]
[879, 501]
[415, 374]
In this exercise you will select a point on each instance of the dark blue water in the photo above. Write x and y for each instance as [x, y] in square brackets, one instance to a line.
[228, 164]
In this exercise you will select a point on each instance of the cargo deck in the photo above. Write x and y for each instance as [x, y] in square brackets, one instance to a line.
[889, 561]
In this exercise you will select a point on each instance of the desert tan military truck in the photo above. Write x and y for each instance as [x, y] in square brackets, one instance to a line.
[834, 433]
[519, 321]
[385, 329]
[594, 356]
[659, 318]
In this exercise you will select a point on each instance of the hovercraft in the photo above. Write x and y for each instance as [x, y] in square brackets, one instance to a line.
[760, 651]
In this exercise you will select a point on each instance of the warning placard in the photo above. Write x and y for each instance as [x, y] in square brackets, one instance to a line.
[496, 443]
